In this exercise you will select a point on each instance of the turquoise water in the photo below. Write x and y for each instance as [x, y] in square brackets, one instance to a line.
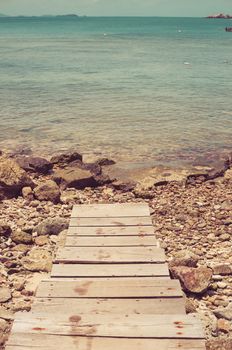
[136, 89]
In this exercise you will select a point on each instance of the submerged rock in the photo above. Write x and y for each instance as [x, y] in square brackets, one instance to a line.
[47, 191]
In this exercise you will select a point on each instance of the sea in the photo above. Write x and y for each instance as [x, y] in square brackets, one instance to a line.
[140, 90]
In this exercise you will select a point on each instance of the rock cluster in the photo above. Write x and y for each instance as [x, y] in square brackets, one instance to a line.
[192, 219]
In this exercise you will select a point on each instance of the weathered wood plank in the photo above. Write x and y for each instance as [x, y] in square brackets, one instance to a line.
[109, 306]
[114, 325]
[118, 241]
[109, 288]
[110, 210]
[112, 231]
[110, 255]
[124, 221]
[110, 270]
[24, 341]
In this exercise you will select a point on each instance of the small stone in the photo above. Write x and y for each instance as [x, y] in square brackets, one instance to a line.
[222, 269]
[223, 325]
[5, 294]
[224, 237]
[222, 285]
[225, 313]
[41, 240]
[6, 314]
[38, 260]
[27, 193]
[5, 229]
[21, 237]
[51, 226]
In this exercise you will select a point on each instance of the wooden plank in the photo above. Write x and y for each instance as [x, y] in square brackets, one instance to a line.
[112, 231]
[109, 306]
[114, 325]
[109, 288]
[118, 241]
[110, 255]
[124, 221]
[110, 270]
[24, 341]
[110, 210]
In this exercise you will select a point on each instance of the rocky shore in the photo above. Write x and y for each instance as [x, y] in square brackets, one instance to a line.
[192, 216]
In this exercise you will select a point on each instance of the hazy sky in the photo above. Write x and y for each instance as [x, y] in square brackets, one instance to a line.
[116, 7]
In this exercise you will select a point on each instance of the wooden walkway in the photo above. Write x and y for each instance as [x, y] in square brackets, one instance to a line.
[109, 288]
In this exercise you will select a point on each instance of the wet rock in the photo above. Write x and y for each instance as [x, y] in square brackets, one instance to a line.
[19, 236]
[74, 177]
[51, 226]
[5, 294]
[194, 280]
[225, 313]
[47, 191]
[37, 260]
[5, 230]
[12, 178]
[66, 158]
[34, 164]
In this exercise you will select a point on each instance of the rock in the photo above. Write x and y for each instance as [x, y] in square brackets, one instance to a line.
[194, 280]
[37, 260]
[12, 179]
[47, 191]
[21, 237]
[6, 314]
[74, 177]
[66, 158]
[34, 164]
[223, 325]
[105, 162]
[5, 294]
[51, 226]
[225, 313]
[222, 269]
[3, 326]
[185, 258]
[5, 230]
[41, 240]
[27, 193]
[34, 281]
[219, 344]
[190, 306]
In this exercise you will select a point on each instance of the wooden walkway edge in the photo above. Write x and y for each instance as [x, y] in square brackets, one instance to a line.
[109, 288]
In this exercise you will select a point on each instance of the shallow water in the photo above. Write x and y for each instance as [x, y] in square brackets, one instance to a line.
[137, 89]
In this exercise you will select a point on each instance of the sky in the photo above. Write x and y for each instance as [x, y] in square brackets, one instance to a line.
[116, 7]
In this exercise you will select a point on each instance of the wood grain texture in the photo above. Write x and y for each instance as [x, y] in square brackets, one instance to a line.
[110, 210]
[118, 241]
[109, 306]
[112, 231]
[24, 341]
[115, 325]
[118, 222]
[110, 255]
[109, 288]
[110, 270]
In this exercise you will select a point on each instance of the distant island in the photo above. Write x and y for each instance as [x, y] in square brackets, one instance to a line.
[54, 16]
[220, 16]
